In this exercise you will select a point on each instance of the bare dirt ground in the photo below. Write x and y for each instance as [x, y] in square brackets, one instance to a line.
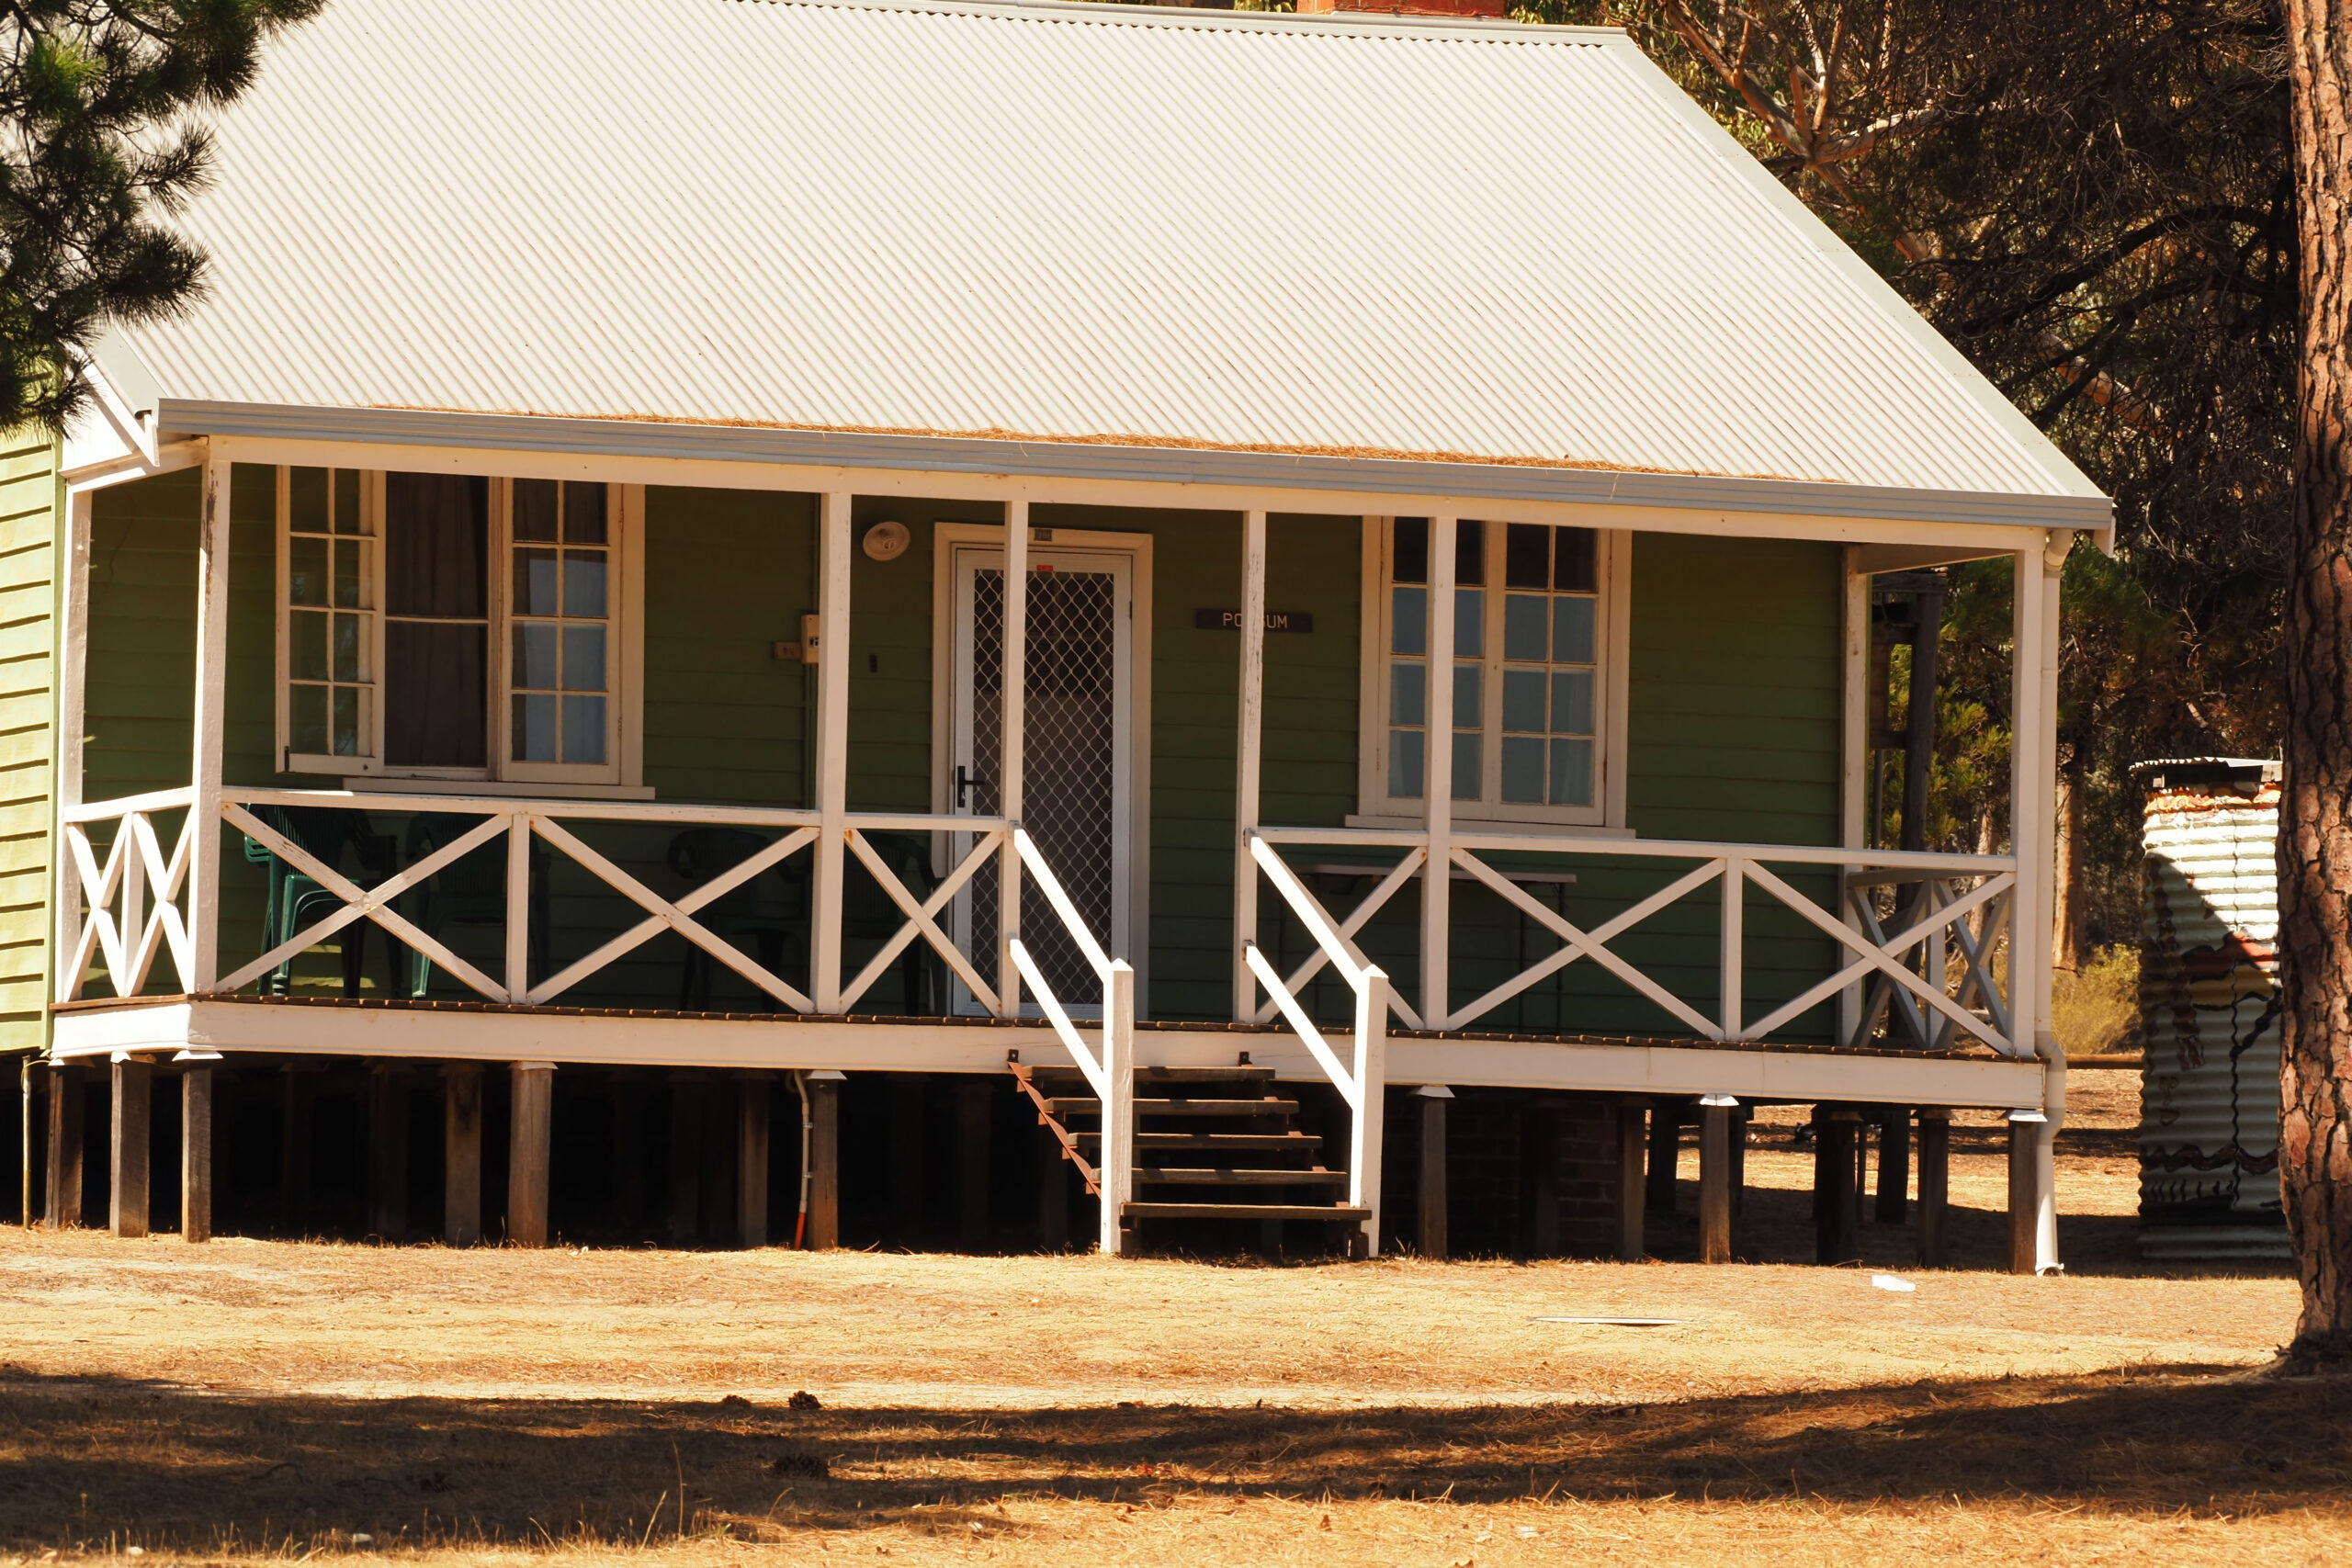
[258, 1399]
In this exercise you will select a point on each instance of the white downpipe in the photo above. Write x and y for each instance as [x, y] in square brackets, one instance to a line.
[808, 1125]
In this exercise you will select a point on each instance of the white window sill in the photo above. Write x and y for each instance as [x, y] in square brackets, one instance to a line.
[1483, 825]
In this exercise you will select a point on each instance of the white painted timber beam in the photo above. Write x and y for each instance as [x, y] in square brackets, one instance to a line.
[493, 1035]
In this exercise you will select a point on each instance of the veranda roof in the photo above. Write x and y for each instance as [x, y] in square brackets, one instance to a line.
[1337, 241]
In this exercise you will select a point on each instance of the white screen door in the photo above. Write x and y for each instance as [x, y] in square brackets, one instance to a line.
[1078, 788]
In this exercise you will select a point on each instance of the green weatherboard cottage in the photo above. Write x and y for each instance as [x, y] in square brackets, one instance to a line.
[1180, 667]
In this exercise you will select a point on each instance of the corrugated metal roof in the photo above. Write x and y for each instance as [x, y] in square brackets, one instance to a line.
[1466, 242]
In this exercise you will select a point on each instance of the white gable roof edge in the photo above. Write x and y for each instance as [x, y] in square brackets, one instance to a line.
[1370, 23]
[1468, 483]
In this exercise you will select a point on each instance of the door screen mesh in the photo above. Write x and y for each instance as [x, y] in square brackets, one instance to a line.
[1068, 761]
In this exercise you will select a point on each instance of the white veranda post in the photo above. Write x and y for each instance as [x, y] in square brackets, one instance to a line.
[2032, 793]
[1008, 762]
[73, 661]
[1437, 779]
[210, 726]
[1247, 744]
[833, 546]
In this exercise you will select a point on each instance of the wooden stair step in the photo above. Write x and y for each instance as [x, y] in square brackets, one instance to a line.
[1244, 1211]
[1205, 1075]
[1269, 1106]
[1226, 1176]
[1236, 1141]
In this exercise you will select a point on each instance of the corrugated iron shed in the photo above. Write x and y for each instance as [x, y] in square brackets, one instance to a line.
[1347, 238]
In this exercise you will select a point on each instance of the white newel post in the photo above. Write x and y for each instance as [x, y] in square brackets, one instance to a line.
[2045, 833]
[1369, 1133]
[1008, 765]
[1251, 722]
[833, 547]
[1734, 938]
[1437, 780]
[1117, 1173]
[72, 676]
[211, 692]
[518, 906]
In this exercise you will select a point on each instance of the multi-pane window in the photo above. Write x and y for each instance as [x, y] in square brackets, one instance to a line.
[450, 626]
[1525, 669]
[329, 563]
[561, 623]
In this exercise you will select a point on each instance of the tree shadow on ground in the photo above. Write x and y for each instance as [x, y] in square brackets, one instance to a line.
[95, 1460]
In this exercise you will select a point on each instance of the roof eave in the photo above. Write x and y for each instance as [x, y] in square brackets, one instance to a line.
[1469, 482]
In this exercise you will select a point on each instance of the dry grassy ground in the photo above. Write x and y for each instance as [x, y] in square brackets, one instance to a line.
[255, 1399]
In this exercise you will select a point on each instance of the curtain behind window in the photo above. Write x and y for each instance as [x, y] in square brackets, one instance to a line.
[437, 621]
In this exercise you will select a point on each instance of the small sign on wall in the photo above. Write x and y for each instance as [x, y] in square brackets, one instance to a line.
[1276, 620]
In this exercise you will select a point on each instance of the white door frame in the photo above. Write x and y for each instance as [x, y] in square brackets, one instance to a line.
[947, 538]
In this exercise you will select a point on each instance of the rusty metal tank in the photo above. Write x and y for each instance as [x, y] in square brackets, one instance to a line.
[2209, 1011]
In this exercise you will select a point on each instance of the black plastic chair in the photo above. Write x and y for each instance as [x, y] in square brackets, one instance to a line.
[295, 899]
[469, 891]
[697, 855]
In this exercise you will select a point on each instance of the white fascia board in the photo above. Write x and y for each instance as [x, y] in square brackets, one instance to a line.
[769, 458]
[2064, 476]
[1369, 24]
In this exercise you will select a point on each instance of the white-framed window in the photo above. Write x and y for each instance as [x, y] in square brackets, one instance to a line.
[457, 626]
[1537, 673]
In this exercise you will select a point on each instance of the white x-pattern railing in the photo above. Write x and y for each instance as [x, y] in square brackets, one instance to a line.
[127, 910]
[1959, 886]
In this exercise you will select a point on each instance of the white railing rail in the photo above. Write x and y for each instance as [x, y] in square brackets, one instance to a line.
[1363, 1082]
[1904, 968]
[127, 910]
[1111, 1073]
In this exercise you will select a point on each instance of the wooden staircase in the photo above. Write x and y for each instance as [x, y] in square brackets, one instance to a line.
[1211, 1143]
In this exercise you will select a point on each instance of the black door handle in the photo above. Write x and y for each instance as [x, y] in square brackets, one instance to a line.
[967, 781]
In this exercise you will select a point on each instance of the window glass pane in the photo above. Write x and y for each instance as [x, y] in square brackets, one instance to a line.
[1572, 773]
[1527, 556]
[346, 721]
[1522, 769]
[306, 570]
[535, 727]
[583, 729]
[583, 583]
[350, 647]
[534, 583]
[308, 705]
[350, 573]
[346, 502]
[583, 660]
[583, 514]
[1571, 702]
[1408, 620]
[1576, 569]
[1469, 551]
[436, 707]
[1408, 554]
[1469, 696]
[1526, 623]
[1523, 702]
[1466, 755]
[437, 546]
[535, 507]
[1407, 692]
[1405, 763]
[306, 645]
[1469, 621]
[1572, 630]
[305, 499]
[535, 654]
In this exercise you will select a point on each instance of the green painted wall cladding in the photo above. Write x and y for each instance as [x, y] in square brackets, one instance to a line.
[28, 517]
[1733, 732]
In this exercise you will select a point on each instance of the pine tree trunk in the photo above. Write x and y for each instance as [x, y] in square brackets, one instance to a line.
[2066, 925]
[2315, 820]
